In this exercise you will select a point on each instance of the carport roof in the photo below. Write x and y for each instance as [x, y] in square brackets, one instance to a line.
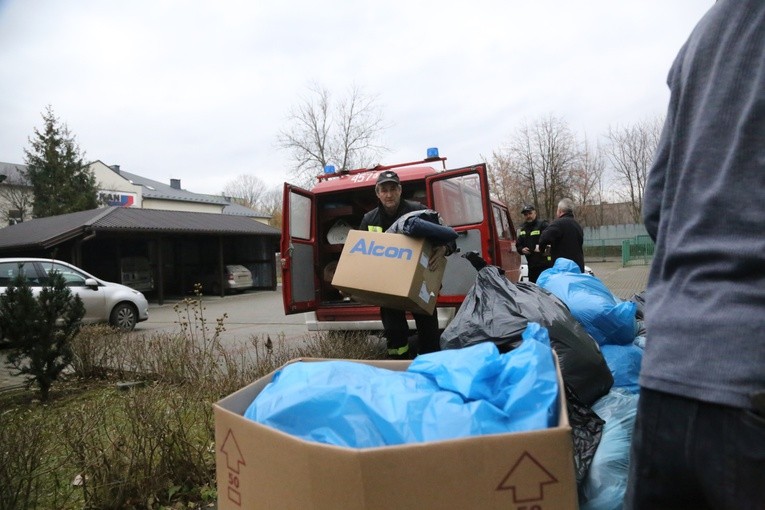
[48, 232]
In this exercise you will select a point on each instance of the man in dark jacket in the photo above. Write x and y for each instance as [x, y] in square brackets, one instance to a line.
[528, 243]
[564, 235]
[379, 219]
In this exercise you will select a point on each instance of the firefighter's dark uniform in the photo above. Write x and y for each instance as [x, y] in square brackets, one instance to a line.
[528, 237]
[394, 321]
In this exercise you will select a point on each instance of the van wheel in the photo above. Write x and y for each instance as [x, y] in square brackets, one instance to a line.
[124, 317]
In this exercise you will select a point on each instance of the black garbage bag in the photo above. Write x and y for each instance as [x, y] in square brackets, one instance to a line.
[586, 431]
[498, 310]
[639, 300]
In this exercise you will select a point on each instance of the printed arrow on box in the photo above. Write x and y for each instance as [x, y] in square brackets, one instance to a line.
[526, 479]
[230, 449]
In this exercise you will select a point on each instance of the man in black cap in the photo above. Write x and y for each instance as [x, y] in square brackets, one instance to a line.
[379, 219]
[528, 243]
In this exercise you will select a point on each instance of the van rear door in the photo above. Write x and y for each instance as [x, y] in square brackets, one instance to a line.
[298, 250]
[509, 258]
[461, 197]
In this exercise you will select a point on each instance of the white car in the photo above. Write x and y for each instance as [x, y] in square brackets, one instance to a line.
[525, 272]
[113, 303]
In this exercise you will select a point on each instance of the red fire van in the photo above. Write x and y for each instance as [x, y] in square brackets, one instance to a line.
[315, 223]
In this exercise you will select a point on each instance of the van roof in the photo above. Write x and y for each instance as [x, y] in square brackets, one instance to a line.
[363, 178]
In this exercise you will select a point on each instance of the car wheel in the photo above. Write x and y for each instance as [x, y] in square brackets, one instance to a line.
[124, 316]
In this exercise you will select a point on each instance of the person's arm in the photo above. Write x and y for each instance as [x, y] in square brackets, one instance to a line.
[549, 235]
[520, 243]
[364, 225]
[539, 247]
[653, 195]
[437, 258]
[654, 187]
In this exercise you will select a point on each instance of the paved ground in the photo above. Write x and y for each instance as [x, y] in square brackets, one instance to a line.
[624, 282]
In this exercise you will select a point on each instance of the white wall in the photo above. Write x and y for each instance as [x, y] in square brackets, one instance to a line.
[174, 205]
[113, 184]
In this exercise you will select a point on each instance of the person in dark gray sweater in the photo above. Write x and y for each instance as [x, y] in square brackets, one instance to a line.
[699, 439]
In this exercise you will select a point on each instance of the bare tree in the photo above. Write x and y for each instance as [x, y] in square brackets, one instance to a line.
[321, 132]
[506, 183]
[17, 195]
[250, 191]
[587, 184]
[500, 172]
[630, 151]
[271, 204]
[245, 190]
[545, 154]
[361, 123]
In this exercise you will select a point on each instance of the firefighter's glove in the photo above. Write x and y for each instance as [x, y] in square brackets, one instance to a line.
[437, 258]
[475, 259]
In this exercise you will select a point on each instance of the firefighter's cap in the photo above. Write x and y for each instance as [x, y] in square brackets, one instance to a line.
[388, 176]
[527, 208]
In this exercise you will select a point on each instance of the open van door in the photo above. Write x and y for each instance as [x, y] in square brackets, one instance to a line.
[461, 197]
[298, 250]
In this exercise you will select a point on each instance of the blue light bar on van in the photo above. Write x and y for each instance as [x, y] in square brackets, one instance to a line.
[432, 152]
[329, 169]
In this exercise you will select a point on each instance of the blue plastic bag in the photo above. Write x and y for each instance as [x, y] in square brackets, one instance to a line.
[608, 319]
[606, 481]
[443, 395]
[624, 361]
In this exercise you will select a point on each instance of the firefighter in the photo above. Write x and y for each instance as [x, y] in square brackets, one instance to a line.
[528, 243]
[379, 219]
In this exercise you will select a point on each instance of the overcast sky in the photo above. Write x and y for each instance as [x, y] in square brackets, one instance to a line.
[198, 90]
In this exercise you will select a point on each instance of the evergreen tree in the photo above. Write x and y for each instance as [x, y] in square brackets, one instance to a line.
[40, 329]
[60, 179]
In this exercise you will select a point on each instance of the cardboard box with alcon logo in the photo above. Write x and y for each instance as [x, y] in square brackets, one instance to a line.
[389, 270]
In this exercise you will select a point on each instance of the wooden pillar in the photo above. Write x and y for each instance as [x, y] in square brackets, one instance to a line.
[160, 270]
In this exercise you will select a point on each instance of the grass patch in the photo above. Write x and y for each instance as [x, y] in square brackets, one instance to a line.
[132, 425]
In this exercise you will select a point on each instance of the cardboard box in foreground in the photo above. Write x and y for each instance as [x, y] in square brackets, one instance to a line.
[388, 270]
[260, 467]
